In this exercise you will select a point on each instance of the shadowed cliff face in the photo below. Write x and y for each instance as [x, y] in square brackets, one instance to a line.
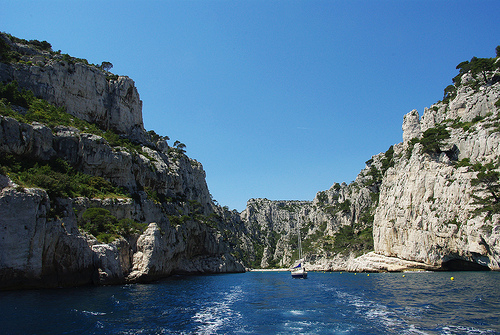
[34, 251]
[169, 193]
[161, 188]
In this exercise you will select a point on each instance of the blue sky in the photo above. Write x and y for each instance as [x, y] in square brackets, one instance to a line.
[277, 99]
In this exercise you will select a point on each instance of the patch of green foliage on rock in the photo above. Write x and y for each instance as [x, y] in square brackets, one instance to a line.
[106, 227]
[487, 186]
[348, 240]
[57, 177]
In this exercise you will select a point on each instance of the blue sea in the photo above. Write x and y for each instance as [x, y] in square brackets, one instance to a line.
[265, 303]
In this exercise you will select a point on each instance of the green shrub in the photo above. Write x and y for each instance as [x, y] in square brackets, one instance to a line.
[374, 196]
[57, 177]
[454, 222]
[4, 51]
[98, 221]
[377, 175]
[116, 141]
[476, 66]
[344, 207]
[105, 227]
[106, 66]
[486, 183]
[450, 92]
[255, 260]
[179, 220]
[322, 197]
[463, 162]
[106, 237]
[466, 126]
[347, 240]
[411, 145]
[15, 95]
[388, 160]
[7, 55]
[433, 138]
[366, 218]
[128, 227]
[110, 77]
[43, 45]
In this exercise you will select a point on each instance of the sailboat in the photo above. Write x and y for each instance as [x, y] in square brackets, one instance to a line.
[299, 271]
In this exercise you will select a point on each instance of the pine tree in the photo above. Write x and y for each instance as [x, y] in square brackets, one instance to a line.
[488, 181]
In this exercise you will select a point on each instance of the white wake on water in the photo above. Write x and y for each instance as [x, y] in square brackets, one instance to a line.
[379, 313]
[218, 312]
[89, 312]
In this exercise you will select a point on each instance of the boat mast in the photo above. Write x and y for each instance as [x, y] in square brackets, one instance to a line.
[300, 246]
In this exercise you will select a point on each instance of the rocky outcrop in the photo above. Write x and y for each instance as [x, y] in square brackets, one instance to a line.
[170, 175]
[373, 262]
[160, 252]
[419, 197]
[35, 251]
[84, 90]
[70, 258]
[411, 126]
[42, 243]
[427, 203]
[274, 225]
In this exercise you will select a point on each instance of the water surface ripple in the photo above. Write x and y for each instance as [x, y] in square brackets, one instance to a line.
[265, 303]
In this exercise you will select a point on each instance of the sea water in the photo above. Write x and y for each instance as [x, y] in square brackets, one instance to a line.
[265, 303]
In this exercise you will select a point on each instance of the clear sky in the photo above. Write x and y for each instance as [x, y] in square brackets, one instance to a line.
[277, 99]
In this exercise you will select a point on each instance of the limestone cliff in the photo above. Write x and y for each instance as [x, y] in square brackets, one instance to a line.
[335, 226]
[86, 91]
[428, 207]
[44, 240]
[431, 200]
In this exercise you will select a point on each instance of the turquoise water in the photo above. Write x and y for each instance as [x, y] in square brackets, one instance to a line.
[265, 303]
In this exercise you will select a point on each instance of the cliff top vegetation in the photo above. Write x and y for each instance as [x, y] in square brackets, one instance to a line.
[12, 51]
[478, 68]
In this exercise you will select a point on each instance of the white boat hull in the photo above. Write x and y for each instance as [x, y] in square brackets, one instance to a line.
[299, 274]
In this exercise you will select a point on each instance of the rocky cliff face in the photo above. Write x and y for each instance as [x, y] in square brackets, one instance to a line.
[33, 244]
[428, 201]
[42, 240]
[34, 250]
[275, 225]
[422, 198]
[86, 91]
